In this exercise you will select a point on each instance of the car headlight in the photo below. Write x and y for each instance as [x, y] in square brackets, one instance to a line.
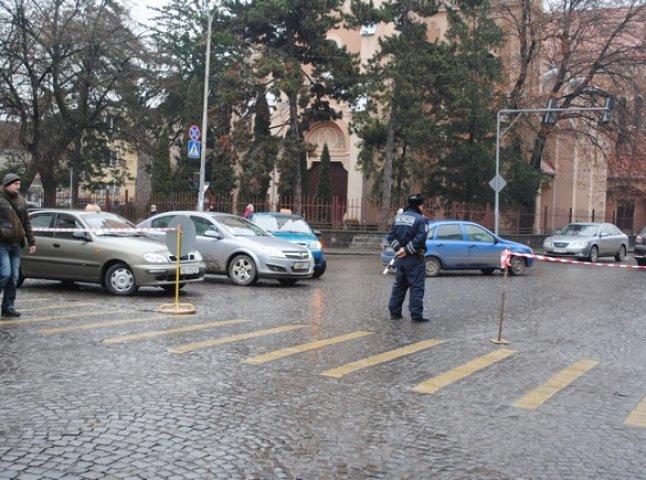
[579, 244]
[272, 251]
[547, 243]
[155, 258]
[315, 245]
[198, 256]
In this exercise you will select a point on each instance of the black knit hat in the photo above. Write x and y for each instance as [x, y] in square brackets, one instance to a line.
[416, 199]
[10, 178]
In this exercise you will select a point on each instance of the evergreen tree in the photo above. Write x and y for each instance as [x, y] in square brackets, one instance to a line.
[324, 185]
[290, 40]
[466, 162]
[399, 89]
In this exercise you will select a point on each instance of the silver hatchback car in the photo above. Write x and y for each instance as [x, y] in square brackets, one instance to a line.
[233, 246]
[587, 240]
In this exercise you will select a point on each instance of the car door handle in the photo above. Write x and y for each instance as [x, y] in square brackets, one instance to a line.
[473, 245]
[57, 245]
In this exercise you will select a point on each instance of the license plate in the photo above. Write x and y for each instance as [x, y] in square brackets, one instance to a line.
[189, 270]
[559, 250]
[301, 266]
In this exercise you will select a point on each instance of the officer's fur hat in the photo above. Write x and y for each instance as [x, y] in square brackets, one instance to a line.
[415, 200]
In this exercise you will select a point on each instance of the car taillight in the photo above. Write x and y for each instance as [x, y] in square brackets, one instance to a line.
[639, 239]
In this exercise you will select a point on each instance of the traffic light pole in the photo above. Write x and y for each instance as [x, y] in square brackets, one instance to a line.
[520, 111]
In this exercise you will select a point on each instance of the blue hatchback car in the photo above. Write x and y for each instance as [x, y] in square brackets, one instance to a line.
[295, 229]
[460, 245]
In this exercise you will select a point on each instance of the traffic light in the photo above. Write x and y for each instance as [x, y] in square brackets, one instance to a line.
[607, 113]
[549, 118]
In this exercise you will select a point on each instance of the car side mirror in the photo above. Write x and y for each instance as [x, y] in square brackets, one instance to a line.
[318, 233]
[495, 240]
[82, 236]
[213, 234]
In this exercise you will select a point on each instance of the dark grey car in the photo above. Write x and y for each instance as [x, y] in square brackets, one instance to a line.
[587, 240]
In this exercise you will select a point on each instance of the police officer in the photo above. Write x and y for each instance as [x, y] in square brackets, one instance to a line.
[407, 237]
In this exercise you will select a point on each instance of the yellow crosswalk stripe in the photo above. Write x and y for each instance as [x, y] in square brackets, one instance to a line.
[637, 417]
[29, 300]
[189, 347]
[52, 318]
[59, 305]
[109, 323]
[542, 393]
[169, 331]
[380, 358]
[434, 384]
[305, 347]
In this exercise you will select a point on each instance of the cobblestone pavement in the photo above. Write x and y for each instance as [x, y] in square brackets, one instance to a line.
[96, 386]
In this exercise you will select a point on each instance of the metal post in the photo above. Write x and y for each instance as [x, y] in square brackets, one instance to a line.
[497, 193]
[207, 66]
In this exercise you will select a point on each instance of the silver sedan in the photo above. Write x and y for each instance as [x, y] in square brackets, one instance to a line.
[233, 246]
[587, 240]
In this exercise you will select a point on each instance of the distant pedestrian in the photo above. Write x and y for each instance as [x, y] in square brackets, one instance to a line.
[15, 229]
[248, 211]
[93, 207]
[407, 238]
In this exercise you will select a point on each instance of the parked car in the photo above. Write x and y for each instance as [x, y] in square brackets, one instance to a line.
[461, 245]
[233, 246]
[640, 248]
[121, 261]
[295, 229]
[587, 240]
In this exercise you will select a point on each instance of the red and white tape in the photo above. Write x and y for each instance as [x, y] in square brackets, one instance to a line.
[102, 230]
[505, 257]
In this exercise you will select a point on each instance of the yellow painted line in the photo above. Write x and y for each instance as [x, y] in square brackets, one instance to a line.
[189, 347]
[544, 392]
[381, 358]
[59, 305]
[305, 347]
[109, 323]
[637, 417]
[61, 317]
[169, 331]
[432, 385]
[28, 300]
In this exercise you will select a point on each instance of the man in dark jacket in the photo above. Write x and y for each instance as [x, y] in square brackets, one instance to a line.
[15, 228]
[407, 238]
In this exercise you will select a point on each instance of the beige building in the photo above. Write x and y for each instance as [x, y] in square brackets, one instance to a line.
[580, 181]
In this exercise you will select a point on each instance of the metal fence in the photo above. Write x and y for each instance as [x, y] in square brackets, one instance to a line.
[349, 214]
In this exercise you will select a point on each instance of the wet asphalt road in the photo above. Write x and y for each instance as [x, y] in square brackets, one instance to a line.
[95, 386]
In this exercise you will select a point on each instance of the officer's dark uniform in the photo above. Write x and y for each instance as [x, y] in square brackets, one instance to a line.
[409, 232]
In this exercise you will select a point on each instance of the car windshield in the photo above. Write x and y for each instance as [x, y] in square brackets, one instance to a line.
[580, 230]
[282, 224]
[108, 221]
[240, 227]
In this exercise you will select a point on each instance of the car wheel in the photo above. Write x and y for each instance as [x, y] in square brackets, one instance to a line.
[594, 253]
[242, 270]
[433, 266]
[621, 254]
[171, 288]
[487, 271]
[321, 270]
[119, 280]
[288, 281]
[517, 265]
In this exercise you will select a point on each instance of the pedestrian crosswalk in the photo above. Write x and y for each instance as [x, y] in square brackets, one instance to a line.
[535, 397]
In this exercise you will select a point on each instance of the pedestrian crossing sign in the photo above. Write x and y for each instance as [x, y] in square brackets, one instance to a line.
[193, 149]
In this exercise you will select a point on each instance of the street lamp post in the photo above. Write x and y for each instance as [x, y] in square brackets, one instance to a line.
[205, 105]
[499, 135]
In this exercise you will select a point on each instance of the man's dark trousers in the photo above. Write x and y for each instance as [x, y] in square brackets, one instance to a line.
[411, 273]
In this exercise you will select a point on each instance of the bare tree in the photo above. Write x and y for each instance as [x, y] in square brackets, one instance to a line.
[590, 49]
[64, 66]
